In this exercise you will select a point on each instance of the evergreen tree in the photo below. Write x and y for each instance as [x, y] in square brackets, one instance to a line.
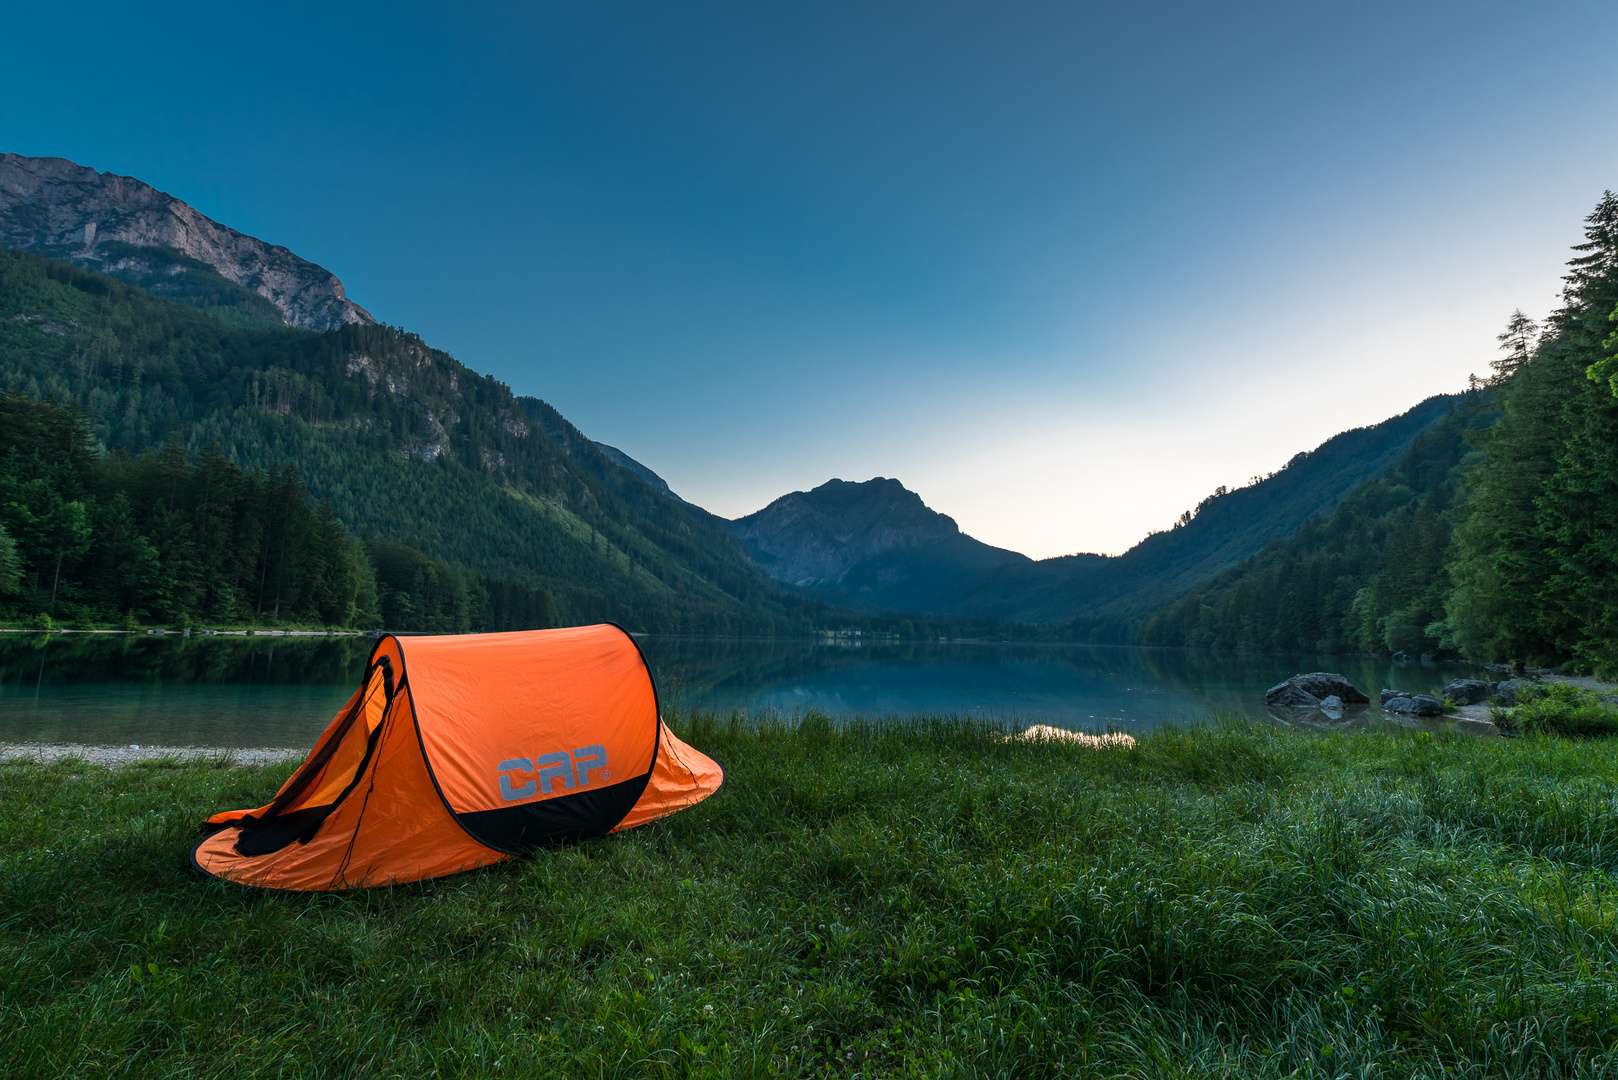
[158, 537]
[1517, 342]
[1532, 562]
[1367, 577]
[10, 564]
[1598, 255]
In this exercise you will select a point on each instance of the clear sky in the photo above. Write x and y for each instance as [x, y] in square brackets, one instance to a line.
[1060, 268]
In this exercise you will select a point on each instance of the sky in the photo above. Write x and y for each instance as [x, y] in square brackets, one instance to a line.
[1061, 268]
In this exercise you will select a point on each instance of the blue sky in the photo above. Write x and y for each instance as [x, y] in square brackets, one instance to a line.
[1061, 268]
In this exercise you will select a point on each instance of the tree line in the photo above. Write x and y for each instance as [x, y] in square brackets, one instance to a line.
[165, 538]
[401, 439]
[1496, 539]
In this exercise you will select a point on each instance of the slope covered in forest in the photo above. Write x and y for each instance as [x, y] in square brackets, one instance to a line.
[401, 439]
[1496, 539]
[1367, 577]
[1230, 525]
[876, 546]
[1533, 572]
[88, 537]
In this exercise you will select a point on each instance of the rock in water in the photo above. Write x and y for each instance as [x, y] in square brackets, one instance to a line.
[1311, 688]
[1333, 702]
[1292, 696]
[1414, 705]
[1469, 691]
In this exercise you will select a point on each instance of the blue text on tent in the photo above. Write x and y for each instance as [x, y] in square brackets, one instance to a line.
[573, 771]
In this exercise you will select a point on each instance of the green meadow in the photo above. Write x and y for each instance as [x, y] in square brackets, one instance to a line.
[917, 898]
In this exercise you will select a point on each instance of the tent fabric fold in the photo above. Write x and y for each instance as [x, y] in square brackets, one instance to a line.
[460, 751]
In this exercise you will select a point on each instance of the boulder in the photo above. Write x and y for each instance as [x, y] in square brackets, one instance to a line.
[1386, 694]
[1510, 691]
[1414, 705]
[1314, 686]
[1402, 657]
[1292, 696]
[1332, 701]
[1469, 691]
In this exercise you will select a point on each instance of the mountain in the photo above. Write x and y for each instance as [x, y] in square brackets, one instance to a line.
[874, 544]
[129, 230]
[205, 338]
[623, 460]
[877, 545]
[1366, 577]
[1495, 539]
[400, 438]
[1222, 530]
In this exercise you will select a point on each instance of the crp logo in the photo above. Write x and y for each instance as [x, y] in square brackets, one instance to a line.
[573, 771]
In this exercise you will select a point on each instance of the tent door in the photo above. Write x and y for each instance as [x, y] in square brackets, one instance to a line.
[326, 779]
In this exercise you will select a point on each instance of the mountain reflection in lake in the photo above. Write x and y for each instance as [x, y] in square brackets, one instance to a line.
[1075, 686]
[264, 691]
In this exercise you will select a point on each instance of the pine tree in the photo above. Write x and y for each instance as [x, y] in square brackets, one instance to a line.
[1598, 254]
[1517, 342]
[1530, 564]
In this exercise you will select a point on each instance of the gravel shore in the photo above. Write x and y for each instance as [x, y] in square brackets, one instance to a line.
[119, 756]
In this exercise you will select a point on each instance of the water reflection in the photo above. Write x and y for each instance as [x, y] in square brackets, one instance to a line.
[262, 691]
[225, 691]
[1072, 685]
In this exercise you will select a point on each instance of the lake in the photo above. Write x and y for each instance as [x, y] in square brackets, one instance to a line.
[281, 691]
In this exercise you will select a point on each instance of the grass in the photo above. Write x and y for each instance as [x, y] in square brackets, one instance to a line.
[903, 899]
[1561, 709]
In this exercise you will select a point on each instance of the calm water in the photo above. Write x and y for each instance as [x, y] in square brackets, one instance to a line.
[282, 691]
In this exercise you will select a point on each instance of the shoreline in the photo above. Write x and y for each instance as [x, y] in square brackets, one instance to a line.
[122, 756]
[166, 632]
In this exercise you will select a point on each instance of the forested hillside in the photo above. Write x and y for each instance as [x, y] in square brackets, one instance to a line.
[1104, 599]
[875, 546]
[1365, 578]
[1534, 567]
[1496, 539]
[92, 537]
[403, 442]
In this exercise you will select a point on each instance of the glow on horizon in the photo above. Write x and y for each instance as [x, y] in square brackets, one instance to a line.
[1060, 270]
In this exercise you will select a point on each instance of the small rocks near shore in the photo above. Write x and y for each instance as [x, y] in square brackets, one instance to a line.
[1469, 691]
[1333, 695]
[1312, 691]
[1509, 690]
[1412, 704]
[1471, 704]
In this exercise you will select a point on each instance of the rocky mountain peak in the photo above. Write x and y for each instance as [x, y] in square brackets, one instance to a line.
[812, 538]
[117, 224]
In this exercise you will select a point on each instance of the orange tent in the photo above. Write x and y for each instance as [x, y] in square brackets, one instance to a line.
[458, 752]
